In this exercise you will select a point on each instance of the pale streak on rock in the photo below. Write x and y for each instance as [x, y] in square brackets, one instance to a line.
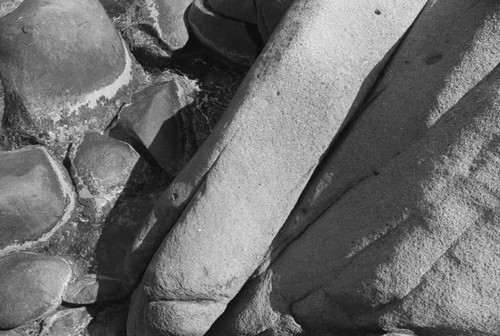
[92, 99]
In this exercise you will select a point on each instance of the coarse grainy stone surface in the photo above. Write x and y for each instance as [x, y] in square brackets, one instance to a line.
[31, 285]
[411, 247]
[446, 53]
[240, 187]
[36, 197]
[63, 66]
[235, 40]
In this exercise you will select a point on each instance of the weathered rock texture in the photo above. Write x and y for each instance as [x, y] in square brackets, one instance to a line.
[62, 64]
[398, 223]
[31, 285]
[231, 199]
[36, 198]
[446, 53]
[235, 40]
[414, 247]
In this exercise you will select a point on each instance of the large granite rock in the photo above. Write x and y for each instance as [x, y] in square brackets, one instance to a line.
[414, 247]
[438, 68]
[396, 234]
[233, 196]
[36, 198]
[154, 120]
[31, 286]
[63, 67]
[235, 40]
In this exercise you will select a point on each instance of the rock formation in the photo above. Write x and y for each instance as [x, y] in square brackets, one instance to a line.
[348, 185]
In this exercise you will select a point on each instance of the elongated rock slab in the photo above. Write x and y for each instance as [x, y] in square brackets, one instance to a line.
[402, 247]
[447, 52]
[415, 247]
[231, 199]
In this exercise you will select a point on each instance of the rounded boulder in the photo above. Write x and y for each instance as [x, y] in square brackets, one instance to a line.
[31, 286]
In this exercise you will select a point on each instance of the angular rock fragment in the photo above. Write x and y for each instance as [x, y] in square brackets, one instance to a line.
[232, 197]
[240, 10]
[235, 40]
[36, 197]
[31, 286]
[154, 120]
[63, 67]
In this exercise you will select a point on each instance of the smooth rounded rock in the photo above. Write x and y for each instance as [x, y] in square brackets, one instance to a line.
[31, 286]
[36, 197]
[63, 66]
[235, 40]
[101, 168]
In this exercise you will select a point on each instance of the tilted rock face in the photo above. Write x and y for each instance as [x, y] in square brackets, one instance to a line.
[61, 64]
[31, 285]
[230, 200]
[154, 120]
[36, 197]
[234, 40]
[400, 236]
